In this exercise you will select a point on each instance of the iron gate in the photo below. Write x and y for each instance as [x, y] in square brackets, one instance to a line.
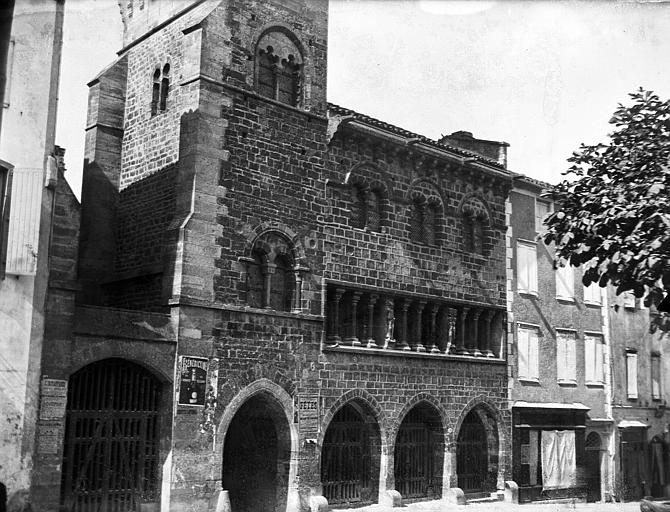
[415, 451]
[472, 454]
[110, 458]
[345, 459]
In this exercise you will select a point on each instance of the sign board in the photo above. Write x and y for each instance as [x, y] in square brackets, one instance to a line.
[308, 414]
[48, 437]
[53, 399]
[192, 380]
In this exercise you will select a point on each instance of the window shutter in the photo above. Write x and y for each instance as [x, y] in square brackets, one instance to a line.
[565, 282]
[629, 300]
[631, 374]
[522, 352]
[592, 293]
[571, 362]
[533, 354]
[655, 377]
[526, 268]
[599, 370]
[5, 205]
[561, 357]
[532, 266]
[590, 359]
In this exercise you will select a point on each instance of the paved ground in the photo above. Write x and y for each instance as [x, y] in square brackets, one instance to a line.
[439, 506]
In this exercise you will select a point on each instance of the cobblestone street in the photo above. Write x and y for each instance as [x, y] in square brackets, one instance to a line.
[439, 506]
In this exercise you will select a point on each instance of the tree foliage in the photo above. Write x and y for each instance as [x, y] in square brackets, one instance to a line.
[613, 209]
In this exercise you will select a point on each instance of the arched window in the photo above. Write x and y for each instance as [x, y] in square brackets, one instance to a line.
[273, 280]
[416, 221]
[358, 206]
[160, 88]
[375, 210]
[475, 225]
[424, 221]
[430, 224]
[279, 68]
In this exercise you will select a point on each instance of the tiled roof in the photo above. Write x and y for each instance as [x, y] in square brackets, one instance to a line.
[341, 111]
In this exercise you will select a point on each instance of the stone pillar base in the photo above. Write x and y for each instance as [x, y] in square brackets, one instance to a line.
[454, 496]
[318, 503]
[390, 498]
[511, 492]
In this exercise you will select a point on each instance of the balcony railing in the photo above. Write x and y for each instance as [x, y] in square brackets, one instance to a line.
[393, 322]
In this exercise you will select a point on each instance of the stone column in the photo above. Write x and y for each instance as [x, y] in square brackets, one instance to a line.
[475, 343]
[372, 299]
[451, 315]
[402, 338]
[418, 346]
[389, 337]
[353, 338]
[460, 343]
[488, 317]
[434, 308]
[334, 336]
[296, 307]
[268, 270]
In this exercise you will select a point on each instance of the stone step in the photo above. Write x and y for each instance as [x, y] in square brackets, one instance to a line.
[487, 499]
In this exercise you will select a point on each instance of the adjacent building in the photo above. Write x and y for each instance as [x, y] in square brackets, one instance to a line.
[30, 48]
[559, 346]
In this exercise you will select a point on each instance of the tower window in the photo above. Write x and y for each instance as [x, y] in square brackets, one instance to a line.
[160, 89]
[279, 68]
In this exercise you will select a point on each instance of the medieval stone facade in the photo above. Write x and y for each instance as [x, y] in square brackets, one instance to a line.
[274, 296]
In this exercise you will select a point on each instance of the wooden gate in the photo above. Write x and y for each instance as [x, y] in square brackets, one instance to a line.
[416, 474]
[345, 459]
[592, 449]
[110, 458]
[472, 454]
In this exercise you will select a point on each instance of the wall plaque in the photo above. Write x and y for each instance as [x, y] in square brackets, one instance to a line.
[53, 399]
[48, 437]
[192, 380]
[308, 414]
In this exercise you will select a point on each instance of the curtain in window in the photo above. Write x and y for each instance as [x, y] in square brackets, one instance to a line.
[558, 459]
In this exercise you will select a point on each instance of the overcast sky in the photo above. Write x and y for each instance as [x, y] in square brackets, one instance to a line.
[542, 76]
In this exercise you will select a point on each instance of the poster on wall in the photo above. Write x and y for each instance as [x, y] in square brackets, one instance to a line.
[192, 380]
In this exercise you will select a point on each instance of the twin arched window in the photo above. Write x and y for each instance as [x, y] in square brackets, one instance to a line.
[273, 279]
[475, 226]
[159, 92]
[279, 68]
[424, 217]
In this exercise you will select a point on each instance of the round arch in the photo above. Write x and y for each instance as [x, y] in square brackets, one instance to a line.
[281, 409]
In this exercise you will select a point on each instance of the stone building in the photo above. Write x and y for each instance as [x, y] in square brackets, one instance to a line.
[559, 347]
[640, 370]
[28, 174]
[274, 296]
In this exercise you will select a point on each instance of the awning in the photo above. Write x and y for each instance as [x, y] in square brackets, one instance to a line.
[632, 424]
[550, 405]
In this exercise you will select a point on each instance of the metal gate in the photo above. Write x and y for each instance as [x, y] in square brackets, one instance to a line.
[110, 458]
[345, 459]
[472, 454]
[415, 453]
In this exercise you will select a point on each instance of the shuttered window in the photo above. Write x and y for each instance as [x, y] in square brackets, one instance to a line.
[565, 280]
[566, 357]
[628, 300]
[526, 255]
[656, 376]
[592, 294]
[528, 353]
[593, 359]
[631, 375]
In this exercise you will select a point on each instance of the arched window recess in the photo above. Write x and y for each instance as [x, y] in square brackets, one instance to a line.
[279, 68]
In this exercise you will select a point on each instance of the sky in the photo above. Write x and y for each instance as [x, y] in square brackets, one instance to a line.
[543, 76]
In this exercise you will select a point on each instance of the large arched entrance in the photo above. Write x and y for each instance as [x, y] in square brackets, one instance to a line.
[592, 453]
[110, 457]
[419, 453]
[256, 456]
[350, 456]
[477, 452]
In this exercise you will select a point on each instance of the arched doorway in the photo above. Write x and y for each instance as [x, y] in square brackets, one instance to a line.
[110, 457]
[593, 447]
[350, 456]
[256, 456]
[419, 453]
[658, 455]
[477, 452]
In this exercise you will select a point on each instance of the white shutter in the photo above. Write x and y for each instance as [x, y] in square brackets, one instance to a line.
[521, 268]
[533, 355]
[655, 377]
[522, 351]
[561, 357]
[24, 221]
[571, 362]
[565, 282]
[599, 370]
[592, 294]
[532, 269]
[590, 364]
[631, 374]
[629, 300]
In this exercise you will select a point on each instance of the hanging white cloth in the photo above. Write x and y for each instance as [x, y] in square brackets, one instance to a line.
[559, 468]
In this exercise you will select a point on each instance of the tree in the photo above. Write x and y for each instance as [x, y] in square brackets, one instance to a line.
[613, 214]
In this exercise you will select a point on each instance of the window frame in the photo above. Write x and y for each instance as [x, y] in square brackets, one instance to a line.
[566, 356]
[588, 296]
[531, 277]
[527, 336]
[594, 359]
[632, 392]
[539, 228]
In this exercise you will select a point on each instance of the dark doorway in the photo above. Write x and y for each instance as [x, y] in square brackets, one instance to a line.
[419, 454]
[633, 463]
[256, 456]
[658, 455]
[350, 457]
[472, 454]
[110, 457]
[593, 449]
